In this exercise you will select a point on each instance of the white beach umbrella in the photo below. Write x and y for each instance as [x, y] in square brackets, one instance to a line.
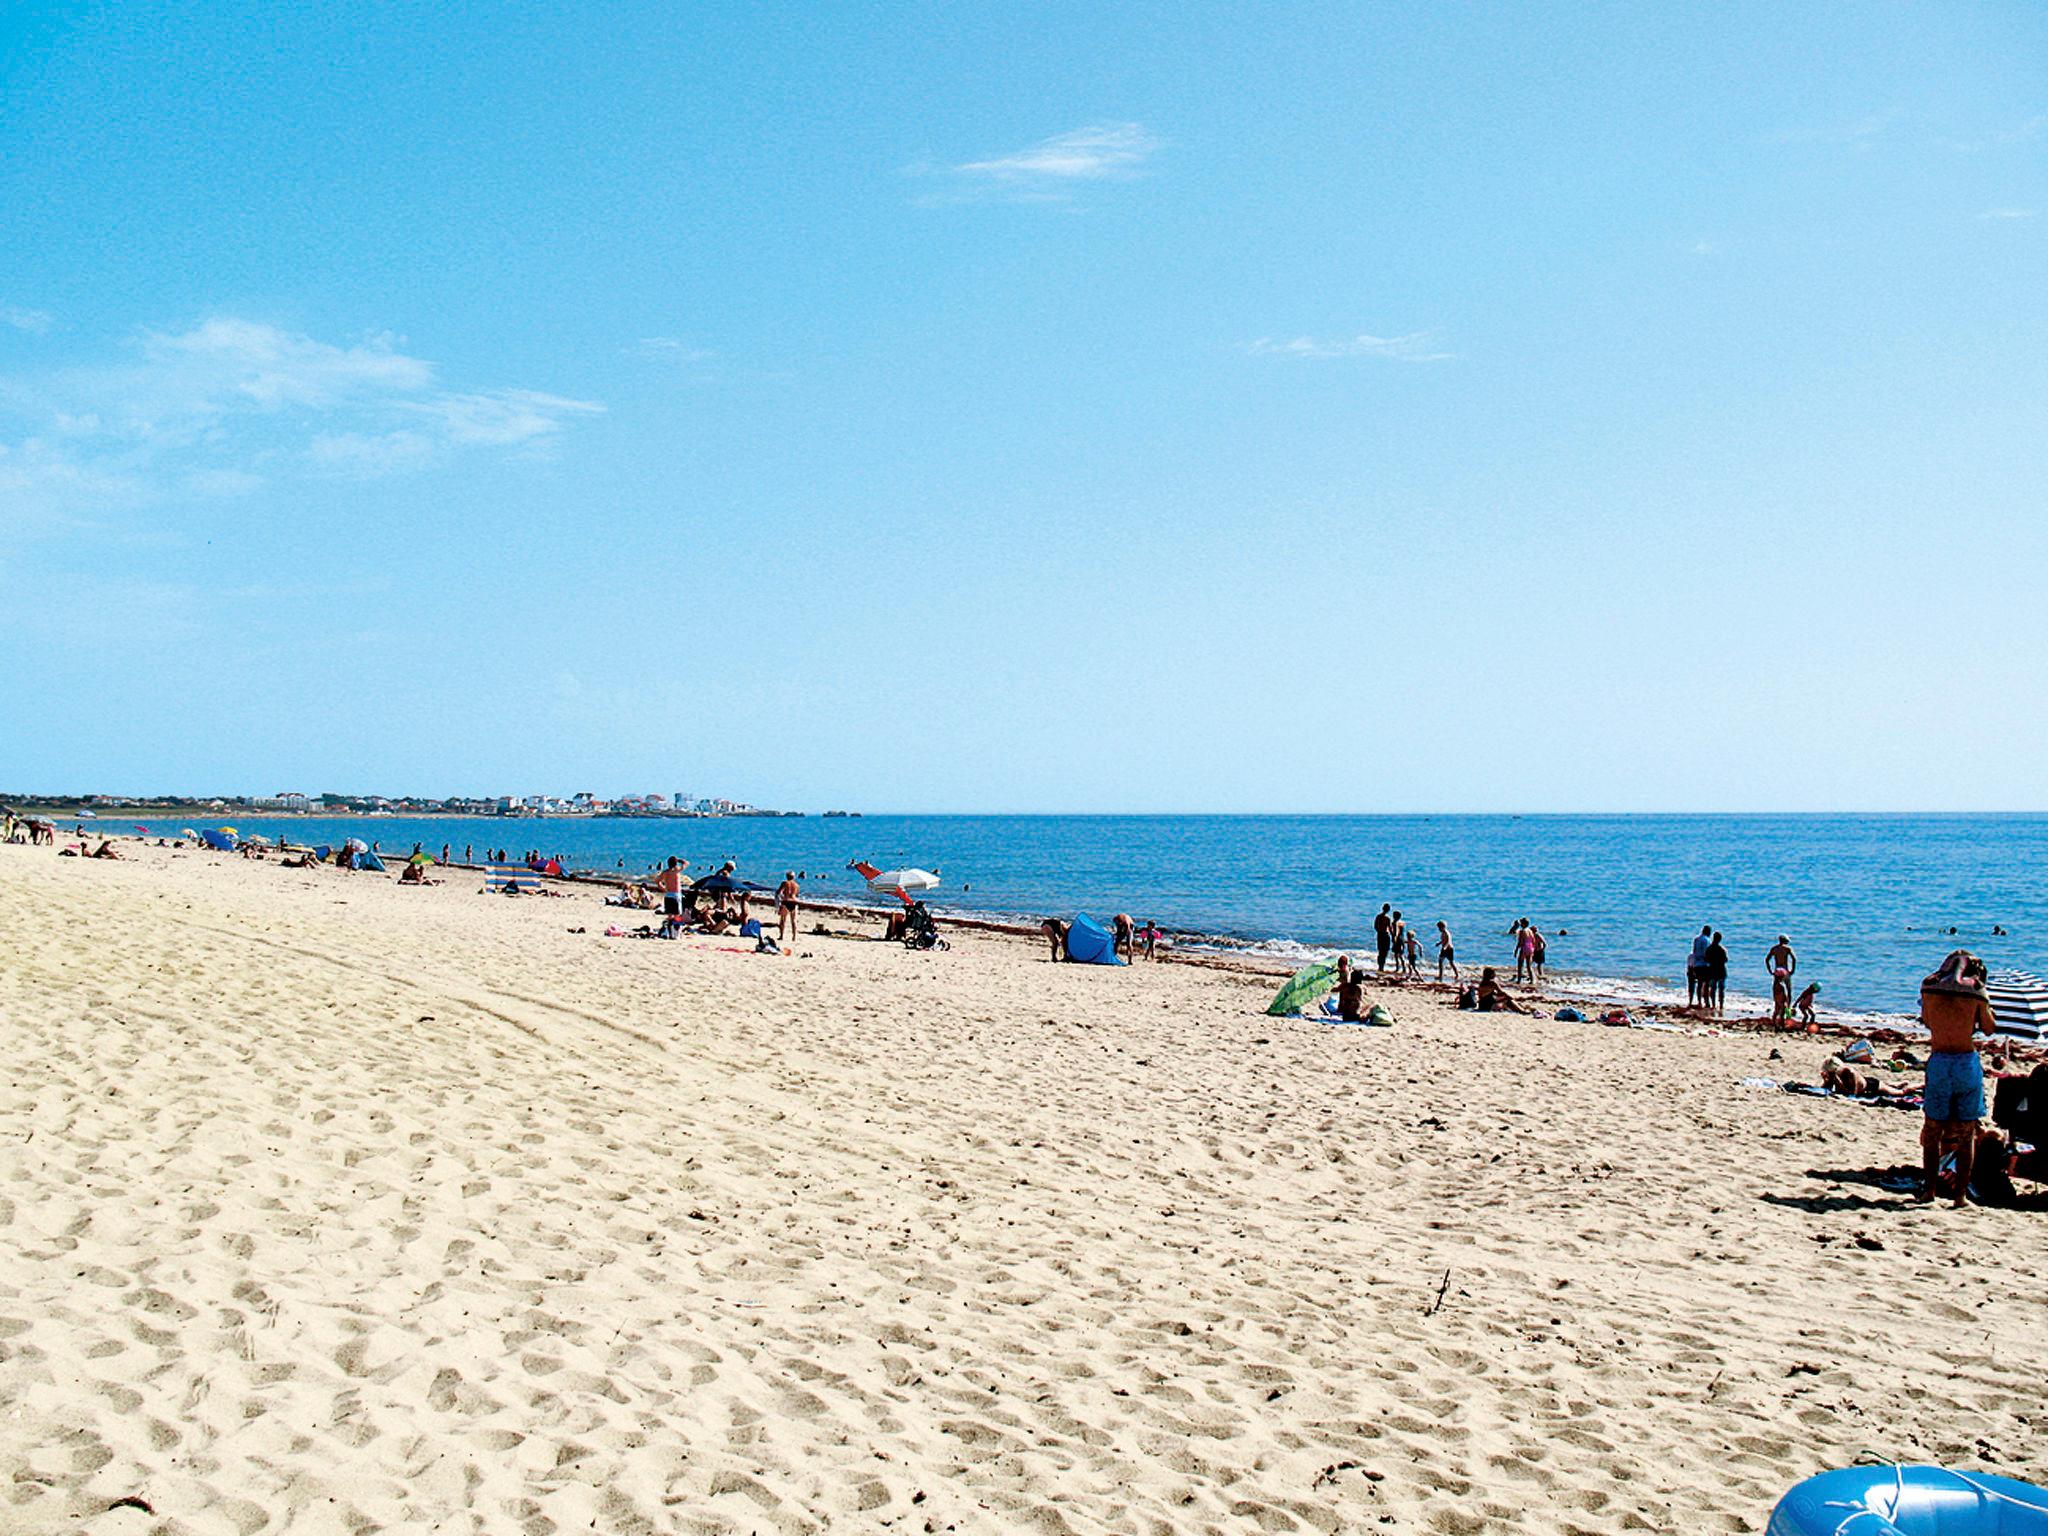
[889, 880]
[357, 845]
[2019, 1001]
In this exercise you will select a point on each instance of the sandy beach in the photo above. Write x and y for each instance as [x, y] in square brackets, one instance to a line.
[334, 1206]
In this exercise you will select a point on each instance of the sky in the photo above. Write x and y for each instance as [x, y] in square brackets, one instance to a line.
[1069, 408]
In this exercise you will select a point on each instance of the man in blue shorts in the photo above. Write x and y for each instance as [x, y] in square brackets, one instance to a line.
[1955, 1010]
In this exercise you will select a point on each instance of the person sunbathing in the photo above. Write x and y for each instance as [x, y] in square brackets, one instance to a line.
[1493, 997]
[303, 861]
[106, 850]
[1837, 1076]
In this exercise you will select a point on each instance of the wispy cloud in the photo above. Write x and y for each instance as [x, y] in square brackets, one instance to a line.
[230, 404]
[2006, 213]
[1999, 138]
[1855, 132]
[1703, 248]
[1416, 347]
[671, 349]
[35, 321]
[1050, 170]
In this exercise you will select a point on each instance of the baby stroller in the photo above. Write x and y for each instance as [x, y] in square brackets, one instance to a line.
[919, 931]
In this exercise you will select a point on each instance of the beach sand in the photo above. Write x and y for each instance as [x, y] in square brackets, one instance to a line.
[332, 1206]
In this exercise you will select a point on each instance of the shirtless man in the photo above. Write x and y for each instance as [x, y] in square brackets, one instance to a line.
[1383, 931]
[1055, 932]
[670, 883]
[1955, 1010]
[1126, 935]
[1446, 953]
[786, 895]
[1783, 966]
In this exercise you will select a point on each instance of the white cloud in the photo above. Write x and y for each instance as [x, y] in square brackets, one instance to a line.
[1417, 347]
[2006, 213]
[1703, 248]
[671, 349]
[215, 409]
[501, 417]
[1051, 169]
[35, 321]
[370, 455]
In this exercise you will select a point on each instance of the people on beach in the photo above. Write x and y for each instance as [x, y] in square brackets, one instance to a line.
[1150, 933]
[1350, 992]
[1493, 998]
[1696, 966]
[1525, 949]
[1446, 953]
[1782, 964]
[787, 896]
[1413, 968]
[1055, 932]
[1715, 981]
[670, 883]
[1126, 933]
[1383, 932]
[1804, 1006]
[1955, 1010]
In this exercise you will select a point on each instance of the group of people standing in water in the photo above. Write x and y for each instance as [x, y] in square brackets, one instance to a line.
[1397, 941]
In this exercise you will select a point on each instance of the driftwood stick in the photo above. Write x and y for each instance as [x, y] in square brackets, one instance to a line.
[1435, 1306]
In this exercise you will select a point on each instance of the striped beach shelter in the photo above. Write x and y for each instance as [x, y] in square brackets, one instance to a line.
[2019, 1001]
[510, 877]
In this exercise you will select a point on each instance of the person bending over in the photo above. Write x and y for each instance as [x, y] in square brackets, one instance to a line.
[1055, 933]
[1783, 964]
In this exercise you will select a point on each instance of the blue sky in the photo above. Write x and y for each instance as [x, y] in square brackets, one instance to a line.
[1075, 408]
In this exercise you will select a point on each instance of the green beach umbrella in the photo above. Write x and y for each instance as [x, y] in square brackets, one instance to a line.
[1304, 986]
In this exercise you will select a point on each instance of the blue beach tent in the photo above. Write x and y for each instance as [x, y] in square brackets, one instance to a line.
[369, 861]
[1089, 943]
[219, 842]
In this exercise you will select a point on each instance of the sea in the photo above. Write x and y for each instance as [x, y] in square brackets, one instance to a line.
[1870, 903]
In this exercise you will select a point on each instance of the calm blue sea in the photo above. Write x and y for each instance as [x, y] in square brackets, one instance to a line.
[1866, 900]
